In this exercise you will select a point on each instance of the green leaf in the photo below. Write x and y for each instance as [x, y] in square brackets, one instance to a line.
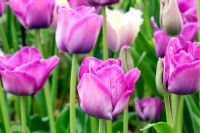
[39, 123]
[160, 127]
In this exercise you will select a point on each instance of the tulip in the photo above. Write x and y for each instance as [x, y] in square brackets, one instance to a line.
[107, 85]
[77, 3]
[25, 72]
[188, 9]
[122, 27]
[33, 13]
[102, 2]
[182, 67]
[2, 7]
[168, 10]
[148, 109]
[77, 29]
[188, 33]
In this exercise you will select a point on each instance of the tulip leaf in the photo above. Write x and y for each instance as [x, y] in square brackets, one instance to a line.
[160, 127]
[38, 122]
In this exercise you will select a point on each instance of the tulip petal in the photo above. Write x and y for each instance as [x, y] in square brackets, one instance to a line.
[18, 83]
[131, 78]
[95, 99]
[80, 40]
[84, 68]
[110, 62]
[40, 69]
[190, 31]
[185, 79]
[24, 55]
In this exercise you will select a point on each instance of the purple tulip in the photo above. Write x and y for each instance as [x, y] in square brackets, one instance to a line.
[182, 67]
[104, 89]
[77, 29]
[148, 109]
[102, 2]
[25, 72]
[2, 7]
[188, 33]
[188, 9]
[33, 13]
[77, 3]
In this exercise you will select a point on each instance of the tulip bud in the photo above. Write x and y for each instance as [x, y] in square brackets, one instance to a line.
[2, 7]
[159, 77]
[170, 17]
[126, 57]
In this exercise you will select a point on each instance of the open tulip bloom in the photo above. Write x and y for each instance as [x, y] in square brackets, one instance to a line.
[77, 29]
[2, 7]
[25, 72]
[148, 109]
[33, 13]
[182, 67]
[104, 89]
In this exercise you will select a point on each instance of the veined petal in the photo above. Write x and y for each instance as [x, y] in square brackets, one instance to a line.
[18, 83]
[131, 78]
[185, 79]
[94, 97]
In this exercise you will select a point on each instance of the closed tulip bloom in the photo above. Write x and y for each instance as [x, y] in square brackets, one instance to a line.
[2, 7]
[77, 29]
[161, 39]
[33, 13]
[25, 72]
[104, 89]
[182, 67]
[102, 2]
[122, 27]
[148, 109]
[188, 9]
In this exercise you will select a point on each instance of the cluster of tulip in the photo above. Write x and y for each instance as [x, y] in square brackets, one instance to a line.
[105, 86]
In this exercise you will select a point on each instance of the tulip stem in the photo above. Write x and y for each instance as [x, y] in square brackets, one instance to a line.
[176, 116]
[73, 95]
[168, 109]
[23, 114]
[102, 126]
[4, 40]
[105, 43]
[4, 111]
[93, 124]
[125, 126]
[109, 126]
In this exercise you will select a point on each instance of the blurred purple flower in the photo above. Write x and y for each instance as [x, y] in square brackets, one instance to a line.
[102, 2]
[148, 109]
[77, 3]
[182, 67]
[188, 33]
[77, 29]
[33, 13]
[25, 72]
[188, 9]
[2, 7]
[104, 89]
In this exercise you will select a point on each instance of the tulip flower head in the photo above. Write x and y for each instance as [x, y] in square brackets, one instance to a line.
[2, 7]
[33, 13]
[102, 2]
[182, 67]
[104, 89]
[77, 29]
[161, 39]
[170, 17]
[25, 72]
[122, 27]
[148, 109]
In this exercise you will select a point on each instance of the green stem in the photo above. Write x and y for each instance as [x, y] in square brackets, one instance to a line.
[168, 109]
[176, 116]
[4, 111]
[93, 124]
[102, 126]
[49, 108]
[47, 91]
[23, 114]
[73, 95]
[109, 126]
[125, 123]
[105, 44]
[4, 39]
